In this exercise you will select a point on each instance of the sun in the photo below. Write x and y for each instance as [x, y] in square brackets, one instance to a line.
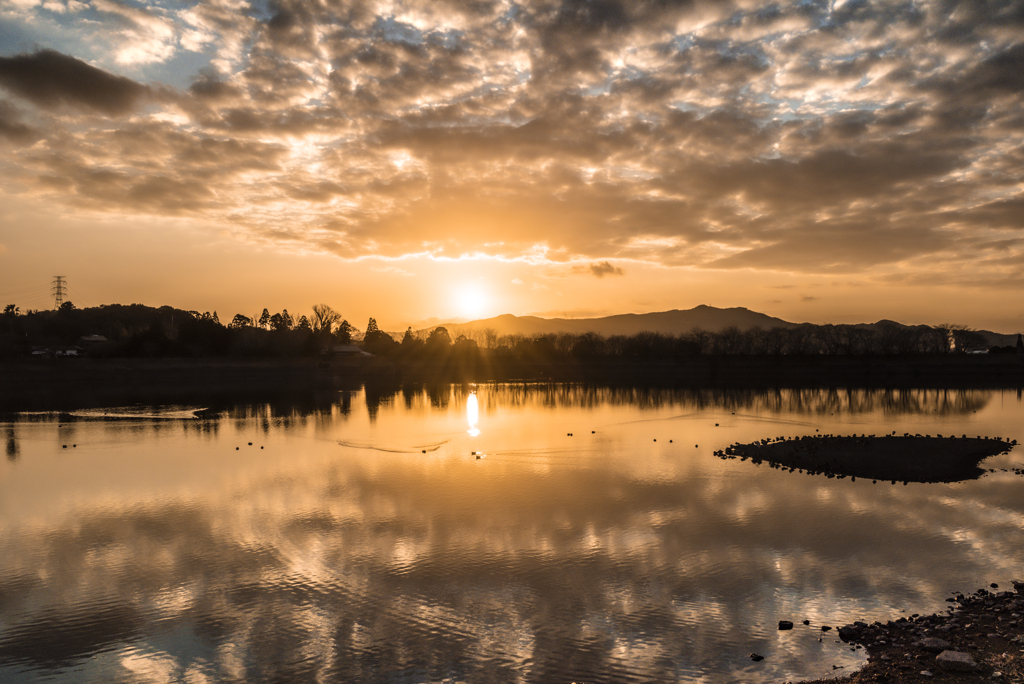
[471, 301]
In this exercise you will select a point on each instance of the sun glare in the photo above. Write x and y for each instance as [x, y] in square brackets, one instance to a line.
[471, 301]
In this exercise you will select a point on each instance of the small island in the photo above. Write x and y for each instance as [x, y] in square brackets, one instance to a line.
[906, 458]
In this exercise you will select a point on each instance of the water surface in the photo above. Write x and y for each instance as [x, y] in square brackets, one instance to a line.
[592, 537]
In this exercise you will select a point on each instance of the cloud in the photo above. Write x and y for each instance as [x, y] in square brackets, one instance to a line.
[517, 281]
[11, 126]
[809, 298]
[791, 138]
[48, 79]
[605, 268]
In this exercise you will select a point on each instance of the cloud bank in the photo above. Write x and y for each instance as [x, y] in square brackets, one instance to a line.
[802, 137]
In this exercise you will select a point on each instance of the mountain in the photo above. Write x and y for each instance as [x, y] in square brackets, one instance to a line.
[673, 322]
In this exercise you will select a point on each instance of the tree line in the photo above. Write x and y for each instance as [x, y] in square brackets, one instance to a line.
[886, 338]
[138, 330]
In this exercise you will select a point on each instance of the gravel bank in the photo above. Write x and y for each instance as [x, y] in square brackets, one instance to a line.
[979, 639]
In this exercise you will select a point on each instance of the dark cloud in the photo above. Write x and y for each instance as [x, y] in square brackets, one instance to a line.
[605, 268]
[48, 79]
[210, 86]
[1003, 72]
[11, 126]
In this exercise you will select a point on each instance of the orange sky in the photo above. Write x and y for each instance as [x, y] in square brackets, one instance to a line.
[816, 161]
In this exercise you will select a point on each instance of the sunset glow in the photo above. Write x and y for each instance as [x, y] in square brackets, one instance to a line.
[817, 161]
[472, 302]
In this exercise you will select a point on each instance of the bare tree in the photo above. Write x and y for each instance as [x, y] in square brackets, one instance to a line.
[701, 339]
[965, 338]
[324, 318]
[775, 341]
[729, 340]
[490, 337]
[940, 338]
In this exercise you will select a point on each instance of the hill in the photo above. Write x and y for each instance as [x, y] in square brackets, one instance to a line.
[673, 322]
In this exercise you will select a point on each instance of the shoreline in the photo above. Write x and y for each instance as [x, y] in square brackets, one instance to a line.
[64, 382]
[979, 639]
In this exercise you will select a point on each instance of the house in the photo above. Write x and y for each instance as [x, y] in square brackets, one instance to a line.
[86, 341]
[347, 350]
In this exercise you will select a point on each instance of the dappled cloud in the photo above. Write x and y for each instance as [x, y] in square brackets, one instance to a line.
[803, 137]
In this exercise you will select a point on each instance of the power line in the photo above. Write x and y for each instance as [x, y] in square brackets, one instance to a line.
[26, 292]
[59, 291]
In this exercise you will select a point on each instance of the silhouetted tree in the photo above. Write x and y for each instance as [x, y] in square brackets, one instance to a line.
[589, 346]
[303, 324]
[439, 339]
[324, 318]
[965, 338]
[264, 321]
[376, 341]
[344, 332]
[411, 344]
[701, 338]
[240, 321]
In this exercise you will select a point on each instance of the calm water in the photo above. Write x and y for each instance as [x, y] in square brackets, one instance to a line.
[362, 541]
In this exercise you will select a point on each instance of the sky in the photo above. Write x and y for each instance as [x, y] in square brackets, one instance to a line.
[830, 162]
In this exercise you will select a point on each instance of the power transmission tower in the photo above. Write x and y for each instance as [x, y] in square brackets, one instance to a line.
[59, 291]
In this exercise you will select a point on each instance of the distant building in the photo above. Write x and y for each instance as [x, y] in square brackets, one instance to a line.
[57, 350]
[347, 350]
[87, 341]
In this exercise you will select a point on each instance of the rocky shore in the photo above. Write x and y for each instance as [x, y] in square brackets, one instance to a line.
[907, 458]
[979, 639]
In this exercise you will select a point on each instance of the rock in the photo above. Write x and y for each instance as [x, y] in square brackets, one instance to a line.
[848, 633]
[756, 658]
[826, 628]
[927, 673]
[785, 624]
[956, 661]
[934, 644]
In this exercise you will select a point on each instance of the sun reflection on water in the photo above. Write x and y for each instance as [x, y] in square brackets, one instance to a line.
[472, 415]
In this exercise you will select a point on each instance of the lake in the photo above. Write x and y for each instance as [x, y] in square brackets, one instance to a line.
[493, 533]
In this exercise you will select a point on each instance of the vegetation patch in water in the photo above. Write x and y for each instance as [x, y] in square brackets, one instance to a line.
[910, 458]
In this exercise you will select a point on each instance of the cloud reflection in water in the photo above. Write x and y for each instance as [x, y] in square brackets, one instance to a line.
[605, 557]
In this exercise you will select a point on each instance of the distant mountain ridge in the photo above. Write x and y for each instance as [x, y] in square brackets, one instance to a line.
[674, 322]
